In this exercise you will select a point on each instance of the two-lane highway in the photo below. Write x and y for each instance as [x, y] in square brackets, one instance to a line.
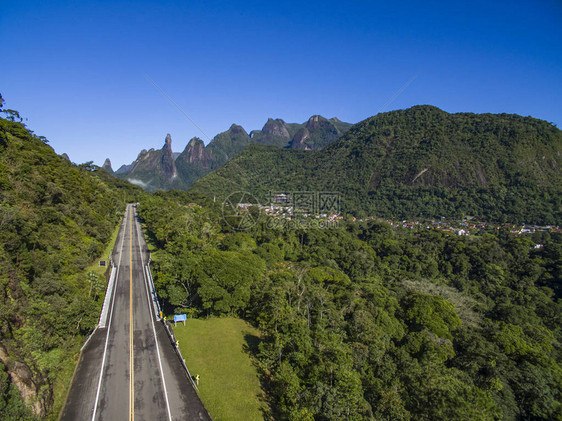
[129, 369]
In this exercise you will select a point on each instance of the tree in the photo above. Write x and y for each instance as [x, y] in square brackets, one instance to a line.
[225, 279]
[96, 285]
[431, 312]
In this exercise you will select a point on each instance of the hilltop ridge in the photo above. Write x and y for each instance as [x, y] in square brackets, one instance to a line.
[422, 162]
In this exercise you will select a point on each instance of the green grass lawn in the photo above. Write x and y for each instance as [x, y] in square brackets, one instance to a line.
[217, 350]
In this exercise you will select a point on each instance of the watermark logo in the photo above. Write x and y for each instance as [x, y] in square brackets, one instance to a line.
[284, 211]
[241, 210]
[303, 210]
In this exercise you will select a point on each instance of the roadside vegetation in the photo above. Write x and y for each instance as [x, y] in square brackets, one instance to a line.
[56, 219]
[97, 277]
[105, 255]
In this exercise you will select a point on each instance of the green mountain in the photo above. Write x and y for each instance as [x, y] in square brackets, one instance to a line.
[197, 160]
[154, 169]
[419, 162]
[164, 170]
[55, 219]
[226, 145]
[318, 132]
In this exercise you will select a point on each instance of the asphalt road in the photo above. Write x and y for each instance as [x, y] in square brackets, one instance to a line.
[129, 369]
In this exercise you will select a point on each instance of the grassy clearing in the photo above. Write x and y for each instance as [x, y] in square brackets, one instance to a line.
[218, 350]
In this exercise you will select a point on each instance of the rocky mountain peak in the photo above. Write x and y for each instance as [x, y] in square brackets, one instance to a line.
[168, 142]
[123, 169]
[195, 154]
[236, 129]
[300, 138]
[107, 165]
[153, 161]
[276, 127]
[195, 142]
[167, 160]
[317, 121]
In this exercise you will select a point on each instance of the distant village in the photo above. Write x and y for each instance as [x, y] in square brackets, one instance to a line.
[322, 206]
[468, 226]
[325, 207]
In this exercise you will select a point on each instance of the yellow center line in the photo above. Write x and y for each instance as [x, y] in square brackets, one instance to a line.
[131, 359]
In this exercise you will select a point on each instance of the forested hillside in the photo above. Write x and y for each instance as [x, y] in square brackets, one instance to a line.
[370, 322]
[55, 219]
[419, 162]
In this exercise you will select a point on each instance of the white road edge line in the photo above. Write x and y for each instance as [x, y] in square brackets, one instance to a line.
[152, 321]
[110, 316]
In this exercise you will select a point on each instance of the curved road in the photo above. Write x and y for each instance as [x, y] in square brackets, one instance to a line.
[129, 369]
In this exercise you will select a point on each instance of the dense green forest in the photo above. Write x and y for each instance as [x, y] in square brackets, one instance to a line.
[366, 321]
[419, 162]
[55, 219]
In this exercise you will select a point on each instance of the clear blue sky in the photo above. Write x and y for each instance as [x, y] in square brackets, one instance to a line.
[77, 69]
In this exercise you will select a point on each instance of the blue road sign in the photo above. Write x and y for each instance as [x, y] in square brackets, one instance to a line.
[180, 318]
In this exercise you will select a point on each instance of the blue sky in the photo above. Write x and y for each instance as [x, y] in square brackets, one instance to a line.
[77, 70]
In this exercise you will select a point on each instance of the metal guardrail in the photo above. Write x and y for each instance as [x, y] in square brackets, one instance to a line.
[106, 302]
[155, 303]
[172, 337]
